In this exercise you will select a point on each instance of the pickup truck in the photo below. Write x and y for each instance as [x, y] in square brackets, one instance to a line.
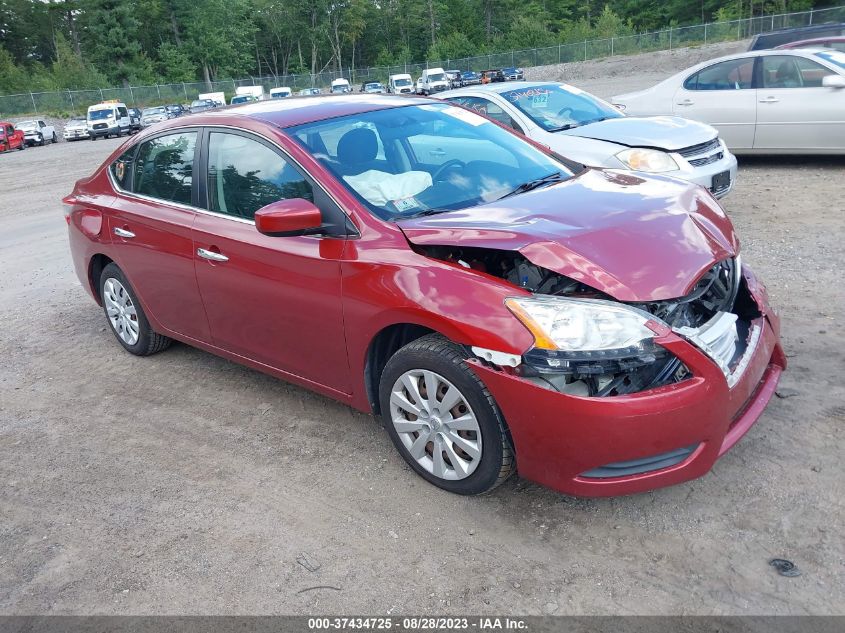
[37, 132]
[10, 138]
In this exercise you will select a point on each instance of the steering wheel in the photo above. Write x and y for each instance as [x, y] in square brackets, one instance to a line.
[449, 164]
[567, 112]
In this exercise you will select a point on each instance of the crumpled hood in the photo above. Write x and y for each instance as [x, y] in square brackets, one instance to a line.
[662, 132]
[633, 238]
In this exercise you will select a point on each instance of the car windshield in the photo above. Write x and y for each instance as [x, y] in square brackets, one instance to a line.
[401, 82]
[557, 108]
[375, 86]
[199, 104]
[834, 57]
[96, 115]
[414, 160]
[26, 125]
[436, 77]
[152, 111]
[76, 121]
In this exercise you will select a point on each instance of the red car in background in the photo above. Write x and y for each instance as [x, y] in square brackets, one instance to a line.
[835, 43]
[10, 138]
[499, 308]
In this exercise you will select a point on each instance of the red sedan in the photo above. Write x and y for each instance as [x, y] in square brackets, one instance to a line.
[10, 138]
[499, 308]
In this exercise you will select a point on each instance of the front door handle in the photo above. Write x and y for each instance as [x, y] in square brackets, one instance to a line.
[211, 255]
[769, 100]
[123, 233]
[686, 102]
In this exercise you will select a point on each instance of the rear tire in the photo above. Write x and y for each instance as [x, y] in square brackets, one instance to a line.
[125, 315]
[461, 447]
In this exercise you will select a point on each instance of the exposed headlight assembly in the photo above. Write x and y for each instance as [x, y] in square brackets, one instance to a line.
[647, 160]
[585, 336]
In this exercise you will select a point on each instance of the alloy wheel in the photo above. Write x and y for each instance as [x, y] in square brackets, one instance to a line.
[121, 311]
[436, 424]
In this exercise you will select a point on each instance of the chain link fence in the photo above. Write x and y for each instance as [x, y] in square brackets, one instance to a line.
[69, 102]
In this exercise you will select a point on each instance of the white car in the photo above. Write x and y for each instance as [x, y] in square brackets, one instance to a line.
[583, 128]
[37, 132]
[762, 102]
[75, 129]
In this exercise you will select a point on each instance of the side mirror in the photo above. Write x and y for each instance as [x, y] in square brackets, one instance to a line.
[287, 218]
[833, 81]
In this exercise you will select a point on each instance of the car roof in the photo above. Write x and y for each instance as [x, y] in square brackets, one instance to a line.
[768, 52]
[290, 112]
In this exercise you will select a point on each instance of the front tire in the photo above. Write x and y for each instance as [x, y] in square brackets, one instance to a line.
[442, 419]
[125, 315]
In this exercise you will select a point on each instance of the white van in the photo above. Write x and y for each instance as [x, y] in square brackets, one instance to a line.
[400, 84]
[256, 92]
[339, 86]
[433, 80]
[280, 93]
[108, 118]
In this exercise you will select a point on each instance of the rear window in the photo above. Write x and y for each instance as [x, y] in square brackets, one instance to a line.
[164, 167]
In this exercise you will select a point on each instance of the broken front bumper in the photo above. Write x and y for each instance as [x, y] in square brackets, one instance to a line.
[590, 446]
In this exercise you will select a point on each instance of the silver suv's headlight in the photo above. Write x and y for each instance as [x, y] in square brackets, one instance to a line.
[648, 160]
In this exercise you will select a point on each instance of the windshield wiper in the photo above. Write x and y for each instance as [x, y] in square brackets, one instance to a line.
[553, 177]
[422, 213]
[569, 126]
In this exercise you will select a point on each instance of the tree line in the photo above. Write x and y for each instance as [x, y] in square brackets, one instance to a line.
[72, 44]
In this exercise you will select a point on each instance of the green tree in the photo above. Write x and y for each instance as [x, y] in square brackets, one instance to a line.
[111, 39]
[70, 72]
[175, 64]
[219, 38]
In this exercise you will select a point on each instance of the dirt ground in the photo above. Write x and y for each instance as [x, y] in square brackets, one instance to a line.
[185, 484]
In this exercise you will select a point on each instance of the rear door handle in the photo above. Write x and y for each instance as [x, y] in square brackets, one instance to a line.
[123, 233]
[769, 100]
[211, 255]
[686, 102]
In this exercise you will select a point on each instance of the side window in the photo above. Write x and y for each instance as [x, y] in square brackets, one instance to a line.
[487, 108]
[121, 169]
[736, 74]
[164, 167]
[121, 112]
[780, 71]
[245, 175]
[811, 73]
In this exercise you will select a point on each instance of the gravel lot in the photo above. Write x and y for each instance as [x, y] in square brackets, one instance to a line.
[185, 484]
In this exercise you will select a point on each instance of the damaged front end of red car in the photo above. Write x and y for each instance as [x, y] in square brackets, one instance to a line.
[693, 356]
